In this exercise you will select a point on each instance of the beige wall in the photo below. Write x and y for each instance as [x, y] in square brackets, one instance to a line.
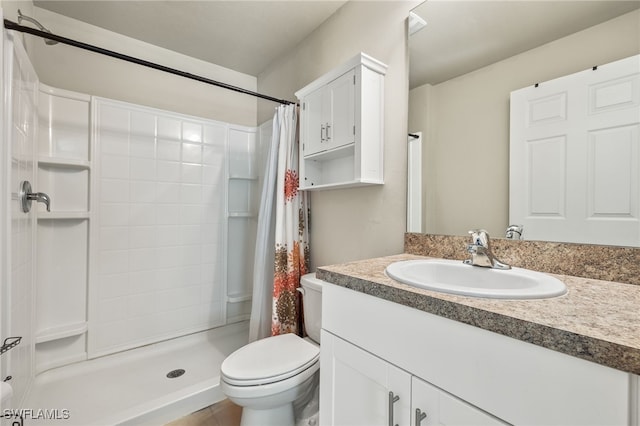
[355, 223]
[466, 163]
[74, 69]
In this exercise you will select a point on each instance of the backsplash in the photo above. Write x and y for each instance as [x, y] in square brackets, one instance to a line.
[609, 263]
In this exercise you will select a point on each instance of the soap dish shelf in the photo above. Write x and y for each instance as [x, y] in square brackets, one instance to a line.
[9, 343]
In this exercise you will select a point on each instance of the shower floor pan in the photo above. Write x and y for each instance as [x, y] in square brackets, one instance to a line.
[132, 387]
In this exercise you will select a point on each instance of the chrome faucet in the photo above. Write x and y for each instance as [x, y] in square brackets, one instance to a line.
[514, 232]
[480, 251]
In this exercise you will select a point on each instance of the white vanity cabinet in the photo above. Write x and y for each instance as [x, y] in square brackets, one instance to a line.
[367, 390]
[453, 372]
[341, 126]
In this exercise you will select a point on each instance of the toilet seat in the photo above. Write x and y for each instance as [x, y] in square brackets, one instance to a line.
[269, 360]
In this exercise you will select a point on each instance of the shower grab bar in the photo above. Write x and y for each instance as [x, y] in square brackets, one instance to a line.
[10, 25]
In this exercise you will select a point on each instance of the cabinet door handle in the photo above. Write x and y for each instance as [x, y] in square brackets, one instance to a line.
[327, 132]
[392, 400]
[420, 416]
[322, 129]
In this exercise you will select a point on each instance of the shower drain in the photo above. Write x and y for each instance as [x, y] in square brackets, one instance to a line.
[175, 373]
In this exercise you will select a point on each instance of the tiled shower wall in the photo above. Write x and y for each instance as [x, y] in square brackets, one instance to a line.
[159, 226]
[19, 293]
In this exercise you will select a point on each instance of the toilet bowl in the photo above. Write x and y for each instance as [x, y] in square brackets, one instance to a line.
[265, 377]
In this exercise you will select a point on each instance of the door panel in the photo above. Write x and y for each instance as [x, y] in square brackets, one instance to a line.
[341, 93]
[355, 386]
[575, 157]
[442, 408]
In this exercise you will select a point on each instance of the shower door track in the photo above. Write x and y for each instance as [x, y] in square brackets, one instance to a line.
[10, 25]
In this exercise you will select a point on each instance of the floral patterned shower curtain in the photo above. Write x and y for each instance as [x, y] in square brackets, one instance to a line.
[291, 233]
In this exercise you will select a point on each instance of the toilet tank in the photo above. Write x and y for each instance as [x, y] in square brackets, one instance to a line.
[312, 305]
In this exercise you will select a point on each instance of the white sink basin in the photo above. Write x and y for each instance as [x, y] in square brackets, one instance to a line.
[453, 276]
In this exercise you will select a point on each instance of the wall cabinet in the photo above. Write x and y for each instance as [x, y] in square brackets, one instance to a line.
[455, 373]
[341, 126]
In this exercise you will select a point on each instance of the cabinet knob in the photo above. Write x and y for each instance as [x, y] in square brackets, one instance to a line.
[420, 416]
[392, 400]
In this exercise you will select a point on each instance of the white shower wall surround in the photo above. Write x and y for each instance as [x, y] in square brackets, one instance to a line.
[170, 224]
[160, 211]
[18, 245]
[150, 237]
[159, 227]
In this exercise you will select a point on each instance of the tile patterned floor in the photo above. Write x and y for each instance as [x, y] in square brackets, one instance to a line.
[223, 413]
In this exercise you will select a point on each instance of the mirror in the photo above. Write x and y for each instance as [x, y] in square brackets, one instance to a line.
[463, 65]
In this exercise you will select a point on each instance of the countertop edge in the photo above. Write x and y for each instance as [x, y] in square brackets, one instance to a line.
[611, 354]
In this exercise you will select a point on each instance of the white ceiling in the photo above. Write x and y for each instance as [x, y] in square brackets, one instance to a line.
[244, 36]
[462, 36]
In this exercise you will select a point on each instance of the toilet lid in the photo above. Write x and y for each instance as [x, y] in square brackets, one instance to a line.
[269, 360]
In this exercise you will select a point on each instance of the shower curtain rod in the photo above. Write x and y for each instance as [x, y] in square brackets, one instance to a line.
[50, 36]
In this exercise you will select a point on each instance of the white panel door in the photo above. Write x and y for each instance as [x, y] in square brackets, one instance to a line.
[575, 156]
[355, 387]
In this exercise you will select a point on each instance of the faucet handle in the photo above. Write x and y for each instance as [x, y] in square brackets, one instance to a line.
[480, 237]
[26, 197]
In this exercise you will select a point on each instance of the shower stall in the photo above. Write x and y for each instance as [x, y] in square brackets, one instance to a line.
[133, 288]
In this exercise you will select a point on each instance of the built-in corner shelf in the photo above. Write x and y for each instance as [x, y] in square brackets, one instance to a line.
[63, 215]
[341, 126]
[60, 332]
[238, 298]
[241, 214]
[68, 163]
[64, 172]
[241, 177]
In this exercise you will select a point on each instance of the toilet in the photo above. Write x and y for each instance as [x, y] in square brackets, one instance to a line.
[265, 377]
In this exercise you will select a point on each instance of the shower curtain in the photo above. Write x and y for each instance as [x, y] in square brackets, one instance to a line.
[282, 243]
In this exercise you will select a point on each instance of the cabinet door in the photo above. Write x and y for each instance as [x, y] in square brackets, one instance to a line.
[442, 408]
[314, 123]
[355, 387]
[341, 115]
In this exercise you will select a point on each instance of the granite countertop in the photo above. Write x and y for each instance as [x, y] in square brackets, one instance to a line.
[595, 320]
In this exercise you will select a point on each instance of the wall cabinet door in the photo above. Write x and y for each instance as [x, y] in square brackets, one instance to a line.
[432, 406]
[313, 123]
[340, 126]
[358, 388]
